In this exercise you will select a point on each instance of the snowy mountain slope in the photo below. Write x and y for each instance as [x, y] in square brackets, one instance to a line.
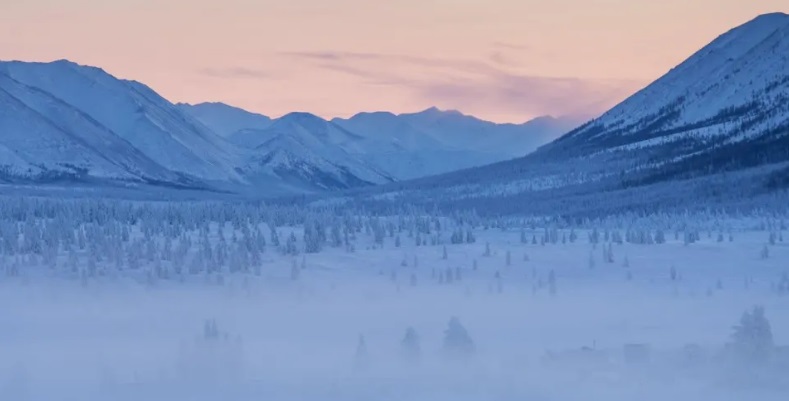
[42, 138]
[733, 89]
[402, 146]
[299, 164]
[467, 132]
[224, 119]
[434, 141]
[304, 126]
[135, 114]
[66, 121]
[304, 146]
[722, 113]
[407, 152]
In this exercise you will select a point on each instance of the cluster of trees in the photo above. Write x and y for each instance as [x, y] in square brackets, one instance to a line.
[752, 337]
[457, 345]
[89, 238]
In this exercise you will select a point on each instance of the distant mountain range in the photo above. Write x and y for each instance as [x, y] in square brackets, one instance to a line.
[61, 122]
[401, 146]
[716, 127]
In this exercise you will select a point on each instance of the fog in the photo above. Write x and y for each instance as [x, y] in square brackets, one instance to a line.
[300, 341]
[113, 301]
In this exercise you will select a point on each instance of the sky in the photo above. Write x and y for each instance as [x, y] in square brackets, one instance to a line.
[502, 60]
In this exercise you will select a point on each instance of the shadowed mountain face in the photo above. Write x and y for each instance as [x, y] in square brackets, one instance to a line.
[723, 108]
[65, 120]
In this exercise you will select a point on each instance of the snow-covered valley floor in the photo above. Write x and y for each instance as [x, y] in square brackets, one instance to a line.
[560, 321]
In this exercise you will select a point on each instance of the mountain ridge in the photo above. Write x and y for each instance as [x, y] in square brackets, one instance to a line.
[716, 125]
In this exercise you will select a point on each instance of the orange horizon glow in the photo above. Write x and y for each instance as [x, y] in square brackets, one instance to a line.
[502, 60]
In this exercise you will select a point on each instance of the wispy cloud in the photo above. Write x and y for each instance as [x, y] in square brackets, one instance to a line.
[492, 85]
[512, 46]
[235, 72]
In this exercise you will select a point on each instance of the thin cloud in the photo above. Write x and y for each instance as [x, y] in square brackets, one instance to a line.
[235, 72]
[512, 46]
[489, 87]
[435, 63]
[512, 94]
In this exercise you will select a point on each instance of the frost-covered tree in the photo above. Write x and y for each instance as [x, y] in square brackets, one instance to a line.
[608, 253]
[274, 236]
[765, 253]
[295, 272]
[457, 342]
[752, 338]
[290, 245]
[361, 358]
[409, 346]
[660, 237]
[470, 238]
[211, 330]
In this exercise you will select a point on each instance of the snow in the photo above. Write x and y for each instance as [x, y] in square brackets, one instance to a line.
[435, 141]
[300, 141]
[140, 333]
[40, 133]
[722, 113]
[96, 126]
[224, 119]
[134, 113]
[729, 72]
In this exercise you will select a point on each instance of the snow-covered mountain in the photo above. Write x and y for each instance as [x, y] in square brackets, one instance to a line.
[435, 141]
[305, 147]
[71, 103]
[722, 113]
[62, 121]
[43, 139]
[717, 126]
[224, 119]
[388, 146]
[726, 107]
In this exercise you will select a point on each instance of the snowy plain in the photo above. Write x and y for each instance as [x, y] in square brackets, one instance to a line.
[290, 327]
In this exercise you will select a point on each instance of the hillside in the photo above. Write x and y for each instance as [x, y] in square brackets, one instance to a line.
[716, 126]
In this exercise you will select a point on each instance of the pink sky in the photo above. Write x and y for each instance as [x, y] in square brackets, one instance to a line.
[504, 60]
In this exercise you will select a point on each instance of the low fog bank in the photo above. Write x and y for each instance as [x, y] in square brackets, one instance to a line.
[363, 338]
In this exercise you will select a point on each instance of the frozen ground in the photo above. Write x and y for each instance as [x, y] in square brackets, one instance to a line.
[293, 333]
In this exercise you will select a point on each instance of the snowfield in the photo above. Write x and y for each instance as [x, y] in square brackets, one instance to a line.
[125, 301]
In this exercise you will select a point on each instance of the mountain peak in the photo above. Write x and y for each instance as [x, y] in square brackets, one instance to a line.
[776, 16]
[761, 26]
[364, 114]
[300, 116]
[436, 111]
